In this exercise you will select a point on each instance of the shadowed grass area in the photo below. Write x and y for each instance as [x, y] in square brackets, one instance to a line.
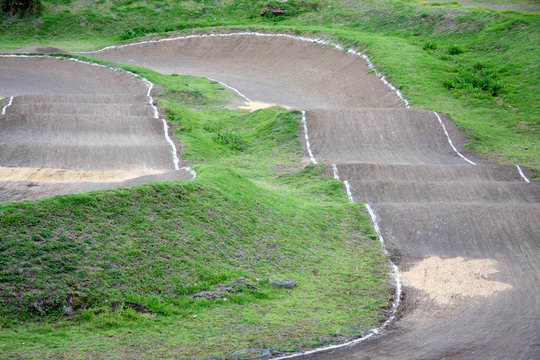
[181, 269]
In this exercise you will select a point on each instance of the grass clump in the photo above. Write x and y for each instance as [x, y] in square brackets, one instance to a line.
[478, 79]
[160, 267]
[21, 8]
[455, 50]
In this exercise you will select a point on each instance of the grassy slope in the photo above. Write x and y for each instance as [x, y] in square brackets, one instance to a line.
[490, 50]
[254, 210]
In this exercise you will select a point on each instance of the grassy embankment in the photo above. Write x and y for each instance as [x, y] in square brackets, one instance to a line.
[480, 66]
[255, 210]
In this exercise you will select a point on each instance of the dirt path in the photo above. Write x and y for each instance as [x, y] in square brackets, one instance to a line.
[466, 237]
[432, 204]
[73, 127]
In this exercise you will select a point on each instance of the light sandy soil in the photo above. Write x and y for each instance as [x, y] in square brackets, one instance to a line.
[44, 175]
[257, 105]
[448, 281]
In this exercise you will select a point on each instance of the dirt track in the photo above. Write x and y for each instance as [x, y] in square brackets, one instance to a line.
[431, 203]
[75, 127]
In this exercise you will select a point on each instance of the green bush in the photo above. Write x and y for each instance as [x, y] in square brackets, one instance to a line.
[479, 77]
[139, 31]
[232, 141]
[455, 50]
[21, 7]
[429, 46]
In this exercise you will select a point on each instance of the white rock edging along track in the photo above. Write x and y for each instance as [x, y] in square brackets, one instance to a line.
[522, 174]
[149, 85]
[294, 37]
[308, 145]
[450, 140]
[8, 104]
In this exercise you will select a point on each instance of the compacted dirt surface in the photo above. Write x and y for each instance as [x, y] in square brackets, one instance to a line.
[72, 127]
[465, 237]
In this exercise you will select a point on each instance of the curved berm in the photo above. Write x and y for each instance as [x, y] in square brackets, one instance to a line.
[71, 127]
[465, 236]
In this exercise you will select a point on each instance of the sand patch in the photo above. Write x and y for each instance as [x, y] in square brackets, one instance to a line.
[448, 280]
[257, 105]
[44, 175]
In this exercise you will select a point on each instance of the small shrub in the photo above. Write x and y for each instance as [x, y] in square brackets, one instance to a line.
[21, 7]
[479, 77]
[429, 46]
[133, 33]
[232, 141]
[455, 50]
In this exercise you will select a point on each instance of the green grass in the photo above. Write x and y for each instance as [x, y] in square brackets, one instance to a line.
[478, 65]
[253, 211]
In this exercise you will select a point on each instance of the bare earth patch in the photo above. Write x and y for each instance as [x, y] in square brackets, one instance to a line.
[257, 105]
[448, 280]
[46, 175]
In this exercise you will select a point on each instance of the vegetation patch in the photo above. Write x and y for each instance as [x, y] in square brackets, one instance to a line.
[21, 7]
[478, 79]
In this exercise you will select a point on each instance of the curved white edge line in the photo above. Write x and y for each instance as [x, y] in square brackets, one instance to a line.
[522, 174]
[450, 140]
[336, 175]
[395, 305]
[191, 171]
[348, 189]
[8, 104]
[308, 146]
[149, 86]
[233, 89]
[294, 37]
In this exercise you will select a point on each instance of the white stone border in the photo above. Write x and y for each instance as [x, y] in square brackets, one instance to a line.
[294, 37]
[522, 174]
[450, 140]
[8, 104]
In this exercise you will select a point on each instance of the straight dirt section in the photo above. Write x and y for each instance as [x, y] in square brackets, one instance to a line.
[75, 123]
[379, 136]
[432, 204]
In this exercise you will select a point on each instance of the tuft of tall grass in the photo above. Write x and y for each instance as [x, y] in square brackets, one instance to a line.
[477, 78]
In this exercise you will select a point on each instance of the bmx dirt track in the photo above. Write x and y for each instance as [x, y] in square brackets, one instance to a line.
[73, 127]
[466, 237]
